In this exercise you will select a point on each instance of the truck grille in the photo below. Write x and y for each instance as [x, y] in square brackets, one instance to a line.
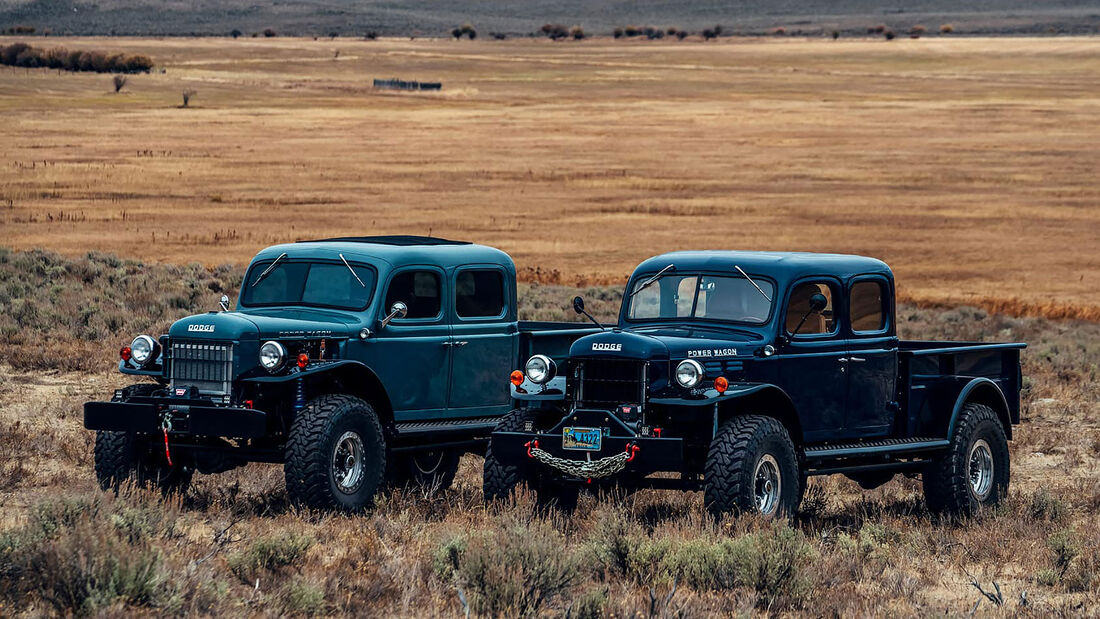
[610, 382]
[205, 365]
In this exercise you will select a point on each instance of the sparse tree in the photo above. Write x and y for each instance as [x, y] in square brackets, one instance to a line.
[918, 29]
[187, 95]
[370, 35]
[456, 33]
[235, 33]
[577, 33]
[333, 34]
[681, 34]
[889, 34]
[618, 33]
[499, 36]
[119, 81]
[947, 29]
[836, 34]
[268, 32]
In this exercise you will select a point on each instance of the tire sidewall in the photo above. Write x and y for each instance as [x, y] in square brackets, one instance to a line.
[990, 431]
[355, 419]
[778, 447]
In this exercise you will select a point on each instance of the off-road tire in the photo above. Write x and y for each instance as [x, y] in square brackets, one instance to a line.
[729, 476]
[311, 446]
[500, 480]
[122, 456]
[430, 471]
[947, 485]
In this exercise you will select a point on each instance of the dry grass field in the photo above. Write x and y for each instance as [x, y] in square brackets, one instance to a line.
[968, 164]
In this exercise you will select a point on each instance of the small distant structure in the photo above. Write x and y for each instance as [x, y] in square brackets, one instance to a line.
[396, 84]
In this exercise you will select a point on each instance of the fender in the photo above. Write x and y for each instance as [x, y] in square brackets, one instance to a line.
[765, 398]
[355, 376]
[528, 391]
[983, 391]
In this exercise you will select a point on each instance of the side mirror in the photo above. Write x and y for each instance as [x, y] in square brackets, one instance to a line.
[224, 303]
[578, 305]
[818, 303]
[397, 310]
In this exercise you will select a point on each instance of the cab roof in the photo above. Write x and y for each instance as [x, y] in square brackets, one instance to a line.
[395, 251]
[783, 266]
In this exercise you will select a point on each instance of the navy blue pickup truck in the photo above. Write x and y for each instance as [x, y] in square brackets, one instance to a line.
[348, 360]
[742, 373]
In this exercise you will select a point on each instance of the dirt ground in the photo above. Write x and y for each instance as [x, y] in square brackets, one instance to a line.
[967, 164]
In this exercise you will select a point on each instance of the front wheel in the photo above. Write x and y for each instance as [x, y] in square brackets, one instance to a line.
[974, 473]
[501, 479]
[122, 456]
[751, 467]
[335, 454]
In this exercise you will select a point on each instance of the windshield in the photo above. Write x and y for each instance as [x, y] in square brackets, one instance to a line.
[320, 284]
[711, 297]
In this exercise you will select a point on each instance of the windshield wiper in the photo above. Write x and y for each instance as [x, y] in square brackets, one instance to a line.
[754, 285]
[353, 274]
[649, 281]
[268, 270]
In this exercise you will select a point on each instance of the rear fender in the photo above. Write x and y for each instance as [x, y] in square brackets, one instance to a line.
[981, 391]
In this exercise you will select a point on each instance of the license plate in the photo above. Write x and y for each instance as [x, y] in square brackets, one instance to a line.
[586, 439]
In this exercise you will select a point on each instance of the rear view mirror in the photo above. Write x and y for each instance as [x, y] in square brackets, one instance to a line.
[578, 305]
[818, 303]
[397, 310]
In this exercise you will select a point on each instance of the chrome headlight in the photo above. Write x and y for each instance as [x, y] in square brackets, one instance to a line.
[689, 373]
[540, 369]
[143, 349]
[272, 356]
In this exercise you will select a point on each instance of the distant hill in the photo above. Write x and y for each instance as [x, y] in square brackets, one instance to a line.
[518, 17]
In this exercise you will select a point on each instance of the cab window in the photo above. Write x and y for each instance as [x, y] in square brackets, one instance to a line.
[799, 306]
[420, 290]
[865, 307]
[479, 293]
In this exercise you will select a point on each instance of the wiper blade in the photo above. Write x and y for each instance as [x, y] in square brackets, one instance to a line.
[754, 284]
[649, 281]
[268, 270]
[353, 273]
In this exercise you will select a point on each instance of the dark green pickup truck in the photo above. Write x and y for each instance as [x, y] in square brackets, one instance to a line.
[348, 360]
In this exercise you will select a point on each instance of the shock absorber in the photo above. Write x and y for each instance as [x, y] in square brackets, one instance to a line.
[299, 395]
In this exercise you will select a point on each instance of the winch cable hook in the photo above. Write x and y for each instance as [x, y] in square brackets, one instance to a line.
[166, 425]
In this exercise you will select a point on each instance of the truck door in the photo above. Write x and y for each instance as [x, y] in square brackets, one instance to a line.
[414, 352]
[872, 358]
[483, 341]
[809, 368]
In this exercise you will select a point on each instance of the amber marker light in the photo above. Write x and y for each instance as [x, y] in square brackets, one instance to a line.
[303, 360]
[721, 384]
[517, 378]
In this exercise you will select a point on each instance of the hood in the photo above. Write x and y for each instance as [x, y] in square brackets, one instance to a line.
[265, 324]
[667, 343]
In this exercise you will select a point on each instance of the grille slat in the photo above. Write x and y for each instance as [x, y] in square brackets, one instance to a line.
[611, 381]
[205, 365]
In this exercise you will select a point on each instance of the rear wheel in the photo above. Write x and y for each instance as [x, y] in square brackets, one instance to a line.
[974, 473]
[335, 454]
[751, 467]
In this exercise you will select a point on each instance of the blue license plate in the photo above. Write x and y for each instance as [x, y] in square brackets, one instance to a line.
[586, 439]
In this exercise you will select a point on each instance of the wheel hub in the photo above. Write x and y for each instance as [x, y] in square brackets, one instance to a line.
[347, 463]
[768, 485]
[980, 469]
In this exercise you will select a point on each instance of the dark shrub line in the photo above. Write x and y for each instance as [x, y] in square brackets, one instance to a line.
[23, 55]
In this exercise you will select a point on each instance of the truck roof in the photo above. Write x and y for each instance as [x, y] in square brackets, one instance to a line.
[781, 265]
[394, 250]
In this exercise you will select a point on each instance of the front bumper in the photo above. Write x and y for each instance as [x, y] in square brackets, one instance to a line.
[653, 454]
[186, 417]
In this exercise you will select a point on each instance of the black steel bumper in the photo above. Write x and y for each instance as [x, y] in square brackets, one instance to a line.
[653, 454]
[187, 418]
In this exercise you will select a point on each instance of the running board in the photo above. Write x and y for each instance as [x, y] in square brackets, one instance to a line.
[477, 426]
[891, 447]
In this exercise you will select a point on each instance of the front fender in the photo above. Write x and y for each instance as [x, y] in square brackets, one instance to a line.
[528, 391]
[353, 377]
[712, 397]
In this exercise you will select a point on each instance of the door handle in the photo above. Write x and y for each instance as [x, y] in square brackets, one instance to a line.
[460, 343]
[851, 359]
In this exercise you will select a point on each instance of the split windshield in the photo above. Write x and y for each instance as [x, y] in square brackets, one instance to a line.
[710, 297]
[318, 284]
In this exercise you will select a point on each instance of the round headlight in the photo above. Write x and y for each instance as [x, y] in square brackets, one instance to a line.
[272, 356]
[689, 373]
[540, 369]
[143, 349]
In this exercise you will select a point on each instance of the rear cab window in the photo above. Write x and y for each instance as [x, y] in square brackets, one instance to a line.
[420, 290]
[479, 293]
[867, 307]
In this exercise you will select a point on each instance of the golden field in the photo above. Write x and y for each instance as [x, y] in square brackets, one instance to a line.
[968, 164]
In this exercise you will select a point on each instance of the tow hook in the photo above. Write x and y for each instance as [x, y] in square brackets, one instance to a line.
[166, 426]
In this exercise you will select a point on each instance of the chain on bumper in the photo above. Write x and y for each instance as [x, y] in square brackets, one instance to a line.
[595, 469]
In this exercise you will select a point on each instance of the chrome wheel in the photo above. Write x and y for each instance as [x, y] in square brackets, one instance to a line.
[347, 463]
[980, 469]
[768, 485]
